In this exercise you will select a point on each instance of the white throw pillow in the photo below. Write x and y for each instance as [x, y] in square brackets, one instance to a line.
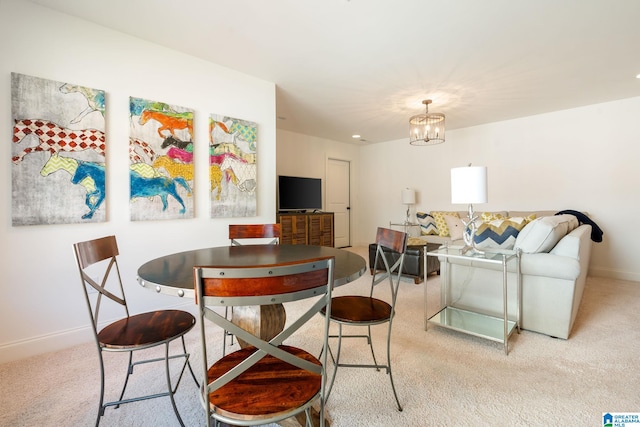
[542, 234]
[456, 227]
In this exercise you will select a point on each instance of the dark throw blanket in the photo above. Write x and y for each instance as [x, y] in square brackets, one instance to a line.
[596, 232]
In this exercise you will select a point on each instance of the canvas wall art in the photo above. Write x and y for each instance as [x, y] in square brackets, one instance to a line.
[161, 161]
[232, 166]
[57, 152]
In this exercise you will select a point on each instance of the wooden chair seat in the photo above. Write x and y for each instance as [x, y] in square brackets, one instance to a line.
[268, 388]
[359, 309]
[367, 311]
[97, 262]
[146, 329]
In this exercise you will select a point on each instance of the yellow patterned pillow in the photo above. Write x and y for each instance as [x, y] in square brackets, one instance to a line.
[438, 216]
[491, 216]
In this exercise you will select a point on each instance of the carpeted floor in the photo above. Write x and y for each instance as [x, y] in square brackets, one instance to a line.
[443, 378]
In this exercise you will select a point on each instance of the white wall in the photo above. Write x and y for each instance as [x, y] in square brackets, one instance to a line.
[41, 306]
[306, 156]
[584, 159]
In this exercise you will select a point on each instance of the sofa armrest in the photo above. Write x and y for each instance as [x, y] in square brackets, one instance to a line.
[570, 245]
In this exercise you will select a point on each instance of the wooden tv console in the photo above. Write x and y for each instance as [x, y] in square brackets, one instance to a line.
[314, 228]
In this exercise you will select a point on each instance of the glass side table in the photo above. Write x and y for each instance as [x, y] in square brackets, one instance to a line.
[494, 328]
[406, 226]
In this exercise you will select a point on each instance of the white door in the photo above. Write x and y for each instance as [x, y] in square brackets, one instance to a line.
[337, 197]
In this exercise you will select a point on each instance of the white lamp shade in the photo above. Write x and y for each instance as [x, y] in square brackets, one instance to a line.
[408, 196]
[469, 185]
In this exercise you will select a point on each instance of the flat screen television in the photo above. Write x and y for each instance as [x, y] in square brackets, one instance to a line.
[299, 194]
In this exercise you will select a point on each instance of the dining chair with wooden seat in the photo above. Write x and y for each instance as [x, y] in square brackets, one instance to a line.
[240, 234]
[367, 311]
[104, 294]
[267, 381]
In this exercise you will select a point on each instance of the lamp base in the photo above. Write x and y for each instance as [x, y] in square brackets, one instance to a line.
[469, 233]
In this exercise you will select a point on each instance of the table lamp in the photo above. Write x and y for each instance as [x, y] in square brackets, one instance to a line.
[408, 198]
[469, 186]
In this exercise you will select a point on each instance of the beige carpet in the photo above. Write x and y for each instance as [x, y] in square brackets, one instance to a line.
[443, 378]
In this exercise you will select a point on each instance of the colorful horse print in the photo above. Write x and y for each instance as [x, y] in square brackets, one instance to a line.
[167, 122]
[173, 168]
[178, 154]
[94, 97]
[135, 145]
[176, 142]
[54, 138]
[138, 105]
[158, 186]
[216, 176]
[245, 173]
[94, 171]
[69, 165]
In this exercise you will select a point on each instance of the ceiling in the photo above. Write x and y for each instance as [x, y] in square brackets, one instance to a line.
[344, 67]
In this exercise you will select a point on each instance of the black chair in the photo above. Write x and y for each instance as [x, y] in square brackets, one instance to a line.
[267, 381]
[367, 311]
[98, 265]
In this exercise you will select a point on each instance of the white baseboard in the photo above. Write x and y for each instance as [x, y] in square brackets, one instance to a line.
[33, 346]
[58, 340]
[614, 274]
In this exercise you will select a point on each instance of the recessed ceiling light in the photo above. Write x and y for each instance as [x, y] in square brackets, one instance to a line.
[637, 76]
[356, 136]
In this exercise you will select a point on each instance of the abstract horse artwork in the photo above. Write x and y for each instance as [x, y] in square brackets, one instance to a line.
[54, 138]
[94, 171]
[176, 142]
[95, 190]
[245, 173]
[94, 97]
[173, 168]
[136, 145]
[216, 176]
[158, 186]
[168, 122]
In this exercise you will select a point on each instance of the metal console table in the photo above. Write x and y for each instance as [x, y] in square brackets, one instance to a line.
[493, 328]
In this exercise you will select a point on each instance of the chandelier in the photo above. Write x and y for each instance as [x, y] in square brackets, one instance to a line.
[427, 128]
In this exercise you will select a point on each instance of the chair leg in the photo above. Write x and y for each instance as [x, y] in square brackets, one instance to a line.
[336, 362]
[225, 333]
[393, 387]
[170, 389]
[126, 380]
[100, 407]
[370, 342]
[184, 348]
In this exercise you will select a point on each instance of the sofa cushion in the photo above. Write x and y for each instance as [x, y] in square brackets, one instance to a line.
[500, 233]
[427, 224]
[542, 234]
[455, 225]
[438, 216]
[490, 216]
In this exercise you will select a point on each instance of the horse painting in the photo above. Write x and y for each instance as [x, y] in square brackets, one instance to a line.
[94, 97]
[173, 168]
[159, 186]
[94, 171]
[170, 122]
[95, 189]
[245, 173]
[54, 138]
[177, 142]
[216, 176]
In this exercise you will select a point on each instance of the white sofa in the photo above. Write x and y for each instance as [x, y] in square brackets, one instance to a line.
[554, 264]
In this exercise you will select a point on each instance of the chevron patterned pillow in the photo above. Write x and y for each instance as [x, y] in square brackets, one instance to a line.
[427, 224]
[500, 233]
